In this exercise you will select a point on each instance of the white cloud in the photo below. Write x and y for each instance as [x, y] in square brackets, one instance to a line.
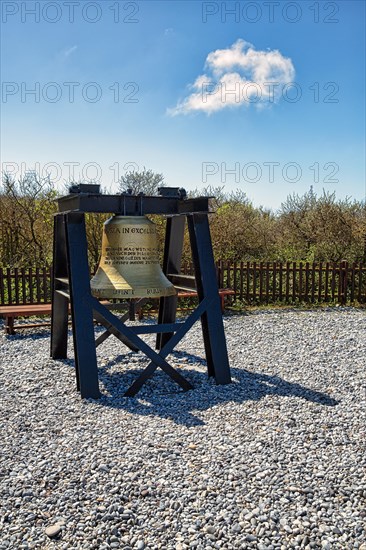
[235, 76]
[69, 51]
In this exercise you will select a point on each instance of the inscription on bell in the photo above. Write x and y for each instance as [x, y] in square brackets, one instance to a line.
[130, 230]
[129, 255]
[129, 266]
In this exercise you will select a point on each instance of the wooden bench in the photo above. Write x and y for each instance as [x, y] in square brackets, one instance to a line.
[223, 293]
[10, 313]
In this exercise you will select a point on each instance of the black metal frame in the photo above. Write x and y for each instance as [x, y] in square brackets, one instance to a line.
[71, 283]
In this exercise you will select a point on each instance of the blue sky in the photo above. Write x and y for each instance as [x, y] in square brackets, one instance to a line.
[152, 81]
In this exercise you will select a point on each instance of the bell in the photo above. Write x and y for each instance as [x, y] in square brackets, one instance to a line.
[129, 266]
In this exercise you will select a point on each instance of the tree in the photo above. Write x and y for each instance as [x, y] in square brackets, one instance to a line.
[26, 220]
[315, 229]
[239, 230]
[307, 228]
[146, 182]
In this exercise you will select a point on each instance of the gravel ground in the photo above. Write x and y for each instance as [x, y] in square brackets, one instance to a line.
[275, 460]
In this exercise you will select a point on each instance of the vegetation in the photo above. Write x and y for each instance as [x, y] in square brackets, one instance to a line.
[141, 182]
[306, 228]
[26, 221]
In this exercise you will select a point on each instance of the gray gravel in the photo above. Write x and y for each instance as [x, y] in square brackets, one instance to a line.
[275, 460]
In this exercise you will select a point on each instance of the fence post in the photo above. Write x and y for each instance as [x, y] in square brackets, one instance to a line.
[344, 276]
[2, 293]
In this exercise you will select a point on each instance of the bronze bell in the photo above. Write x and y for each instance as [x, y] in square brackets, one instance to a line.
[129, 266]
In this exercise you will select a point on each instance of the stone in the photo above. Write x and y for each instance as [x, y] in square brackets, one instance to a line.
[54, 530]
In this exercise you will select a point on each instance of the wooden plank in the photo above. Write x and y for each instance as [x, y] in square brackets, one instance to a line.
[248, 282]
[333, 282]
[223, 293]
[307, 277]
[24, 286]
[44, 281]
[261, 273]
[344, 282]
[320, 280]
[16, 285]
[241, 281]
[313, 282]
[288, 268]
[30, 282]
[274, 273]
[359, 296]
[32, 325]
[254, 281]
[50, 275]
[280, 281]
[235, 278]
[2, 293]
[301, 281]
[221, 277]
[340, 283]
[326, 281]
[8, 281]
[26, 310]
[180, 280]
[294, 281]
[352, 282]
[38, 284]
[267, 282]
[228, 277]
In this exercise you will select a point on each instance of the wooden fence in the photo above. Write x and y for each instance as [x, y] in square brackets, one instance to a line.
[25, 286]
[293, 282]
[253, 283]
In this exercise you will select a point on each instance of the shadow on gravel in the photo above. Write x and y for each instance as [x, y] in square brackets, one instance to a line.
[162, 397]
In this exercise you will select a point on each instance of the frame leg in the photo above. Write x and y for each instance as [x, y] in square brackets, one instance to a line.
[81, 306]
[212, 323]
[172, 262]
[60, 303]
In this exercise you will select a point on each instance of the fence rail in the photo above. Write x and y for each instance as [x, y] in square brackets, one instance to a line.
[253, 282]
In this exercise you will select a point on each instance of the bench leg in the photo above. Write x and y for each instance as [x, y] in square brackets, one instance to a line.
[9, 325]
[60, 303]
[81, 306]
[132, 309]
[173, 247]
